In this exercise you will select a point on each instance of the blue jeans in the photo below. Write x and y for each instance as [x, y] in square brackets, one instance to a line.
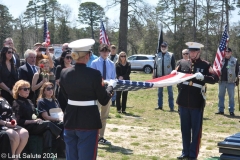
[170, 97]
[81, 144]
[223, 86]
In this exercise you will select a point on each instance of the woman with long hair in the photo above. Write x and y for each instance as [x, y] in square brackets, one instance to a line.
[65, 62]
[47, 101]
[8, 73]
[18, 136]
[26, 116]
[40, 77]
[123, 70]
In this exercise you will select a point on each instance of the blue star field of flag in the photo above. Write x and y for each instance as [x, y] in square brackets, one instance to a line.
[222, 45]
[127, 85]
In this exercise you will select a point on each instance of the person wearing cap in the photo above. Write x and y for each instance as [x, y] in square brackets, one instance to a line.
[51, 52]
[42, 54]
[114, 57]
[165, 63]
[227, 81]
[191, 99]
[83, 87]
[107, 69]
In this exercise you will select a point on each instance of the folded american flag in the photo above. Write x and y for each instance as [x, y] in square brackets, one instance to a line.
[169, 80]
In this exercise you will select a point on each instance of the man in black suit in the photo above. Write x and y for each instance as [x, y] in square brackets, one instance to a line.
[9, 42]
[27, 71]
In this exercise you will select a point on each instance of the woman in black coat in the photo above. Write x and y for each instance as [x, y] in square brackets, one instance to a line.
[8, 73]
[123, 70]
[26, 116]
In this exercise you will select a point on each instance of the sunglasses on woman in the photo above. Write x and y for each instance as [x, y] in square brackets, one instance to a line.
[49, 88]
[122, 56]
[9, 52]
[25, 89]
[185, 53]
[68, 57]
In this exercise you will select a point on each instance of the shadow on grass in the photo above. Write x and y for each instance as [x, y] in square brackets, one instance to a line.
[206, 119]
[212, 158]
[235, 117]
[131, 115]
[114, 149]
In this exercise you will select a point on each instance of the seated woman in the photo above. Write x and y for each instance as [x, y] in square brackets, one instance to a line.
[47, 101]
[43, 75]
[18, 136]
[25, 114]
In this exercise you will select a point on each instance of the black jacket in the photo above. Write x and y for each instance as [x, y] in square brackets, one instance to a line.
[190, 96]
[25, 72]
[123, 71]
[81, 83]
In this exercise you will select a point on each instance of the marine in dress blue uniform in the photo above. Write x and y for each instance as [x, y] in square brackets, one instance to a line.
[82, 86]
[191, 99]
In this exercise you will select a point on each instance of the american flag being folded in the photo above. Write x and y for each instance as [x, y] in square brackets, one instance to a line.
[169, 80]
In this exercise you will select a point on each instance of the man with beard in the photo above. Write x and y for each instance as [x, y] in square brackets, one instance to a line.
[165, 63]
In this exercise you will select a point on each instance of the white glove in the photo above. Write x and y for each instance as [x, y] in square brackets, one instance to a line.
[112, 83]
[174, 72]
[199, 76]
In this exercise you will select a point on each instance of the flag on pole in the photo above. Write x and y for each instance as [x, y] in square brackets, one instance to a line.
[217, 65]
[46, 34]
[160, 40]
[103, 35]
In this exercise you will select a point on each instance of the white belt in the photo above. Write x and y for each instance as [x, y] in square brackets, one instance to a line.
[192, 84]
[82, 103]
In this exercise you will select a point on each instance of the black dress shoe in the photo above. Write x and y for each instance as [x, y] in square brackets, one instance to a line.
[158, 108]
[219, 112]
[182, 157]
[232, 114]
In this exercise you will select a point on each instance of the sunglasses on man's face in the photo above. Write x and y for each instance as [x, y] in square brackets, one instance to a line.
[51, 49]
[185, 53]
[25, 89]
[68, 57]
[49, 88]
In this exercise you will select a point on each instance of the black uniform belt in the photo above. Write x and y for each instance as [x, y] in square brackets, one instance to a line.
[190, 83]
[82, 103]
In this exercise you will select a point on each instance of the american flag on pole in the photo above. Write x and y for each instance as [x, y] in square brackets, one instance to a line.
[46, 34]
[169, 80]
[103, 35]
[217, 65]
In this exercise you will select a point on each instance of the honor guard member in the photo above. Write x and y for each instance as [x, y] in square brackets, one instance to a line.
[191, 99]
[83, 87]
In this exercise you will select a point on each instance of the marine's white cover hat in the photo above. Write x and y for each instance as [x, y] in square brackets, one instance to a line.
[194, 45]
[81, 45]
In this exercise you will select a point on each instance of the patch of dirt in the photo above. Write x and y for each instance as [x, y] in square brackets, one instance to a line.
[164, 143]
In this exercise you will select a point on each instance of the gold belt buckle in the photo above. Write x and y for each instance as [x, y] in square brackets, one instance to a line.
[190, 83]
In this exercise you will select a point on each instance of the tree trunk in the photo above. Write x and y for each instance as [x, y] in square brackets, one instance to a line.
[123, 26]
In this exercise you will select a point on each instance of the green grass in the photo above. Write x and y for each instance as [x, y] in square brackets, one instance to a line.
[148, 134]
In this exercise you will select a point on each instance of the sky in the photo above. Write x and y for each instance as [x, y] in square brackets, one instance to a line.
[16, 7]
